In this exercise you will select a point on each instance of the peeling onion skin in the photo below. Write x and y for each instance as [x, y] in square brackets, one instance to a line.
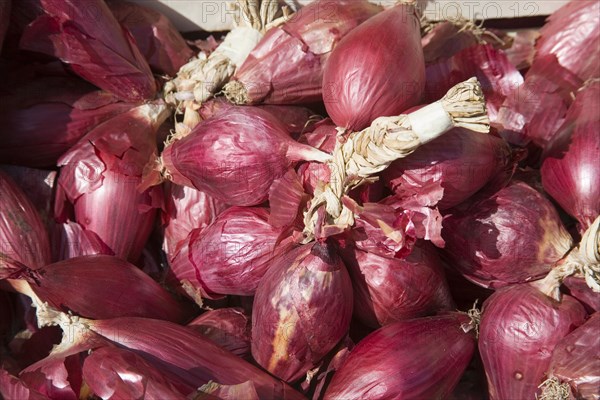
[356, 91]
[511, 237]
[393, 289]
[461, 160]
[421, 358]
[571, 166]
[301, 310]
[575, 359]
[519, 329]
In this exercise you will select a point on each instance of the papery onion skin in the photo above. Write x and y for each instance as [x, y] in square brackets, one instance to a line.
[394, 289]
[228, 327]
[186, 209]
[520, 326]
[44, 117]
[23, 235]
[187, 356]
[12, 387]
[156, 37]
[93, 43]
[71, 240]
[112, 372]
[579, 289]
[356, 92]
[99, 177]
[231, 255]
[286, 66]
[233, 157]
[106, 287]
[461, 161]
[302, 309]
[571, 166]
[575, 359]
[421, 358]
[513, 236]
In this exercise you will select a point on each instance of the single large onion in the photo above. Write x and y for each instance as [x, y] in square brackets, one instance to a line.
[460, 161]
[23, 236]
[575, 360]
[520, 326]
[302, 309]
[231, 255]
[100, 176]
[393, 289]
[513, 236]
[356, 92]
[235, 156]
[571, 167]
[421, 358]
[286, 66]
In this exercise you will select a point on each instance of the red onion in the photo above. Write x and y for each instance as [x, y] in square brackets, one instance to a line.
[45, 117]
[564, 59]
[302, 309]
[23, 236]
[227, 327]
[522, 51]
[286, 66]
[112, 372]
[12, 387]
[93, 43]
[186, 209]
[356, 92]
[124, 289]
[100, 176]
[39, 186]
[520, 327]
[155, 36]
[421, 358]
[498, 77]
[460, 161]
[577, 287]
[231, 255]
[571, 166]
[70, 240]
[393, 289]
[575, 360]
[212, 390]
[513, 236]
[184, 357]
[235, 156]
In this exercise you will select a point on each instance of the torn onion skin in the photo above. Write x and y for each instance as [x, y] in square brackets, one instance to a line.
[520, 327]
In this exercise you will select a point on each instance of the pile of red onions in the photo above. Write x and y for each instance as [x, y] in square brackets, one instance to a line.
[346, 201]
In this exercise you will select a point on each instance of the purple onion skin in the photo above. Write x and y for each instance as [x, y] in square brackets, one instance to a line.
[112, 372]
[571, 166]
[228, 327]
[356, 92]
[577, 287]
[514, 236]
[231, 255]
[44, 117]
[157, 38]
[422, 358]
[393, 289]
[519, 329]
[91, 41]
[575, 359]
[23, 235]
[233, 157]
[461, 160]
[186, 209]
[301, 310]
